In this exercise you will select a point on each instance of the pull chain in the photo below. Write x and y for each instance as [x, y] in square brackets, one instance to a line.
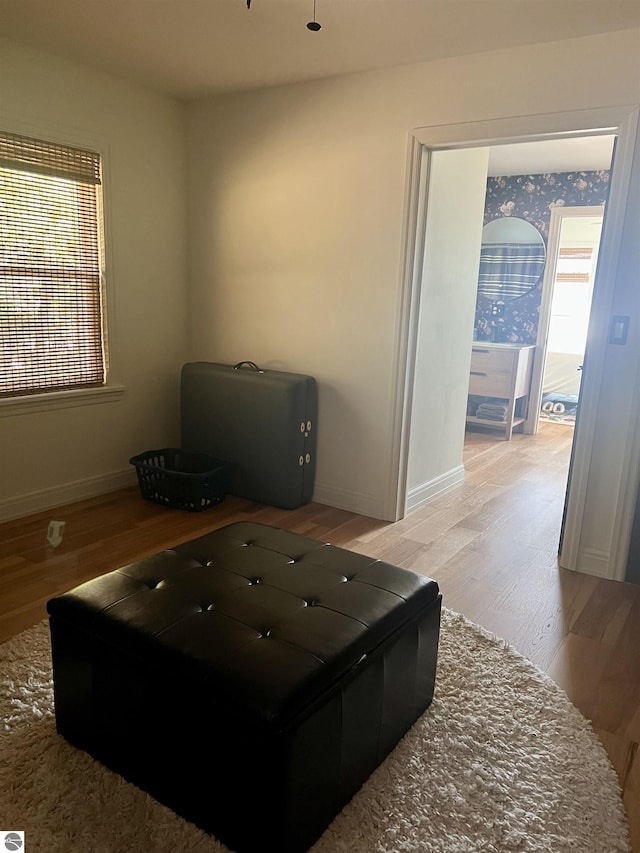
[314, 25]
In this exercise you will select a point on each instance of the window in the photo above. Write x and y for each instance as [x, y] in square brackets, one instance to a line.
[51, 327]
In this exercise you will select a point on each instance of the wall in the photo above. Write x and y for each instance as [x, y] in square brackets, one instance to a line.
[456, 188]
[296, 213]
[52, 456]
[531, 197]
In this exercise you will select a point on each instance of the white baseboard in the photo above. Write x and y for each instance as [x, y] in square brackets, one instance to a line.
[358, 502]
[373, 506]
[419, 495]
[593, 562]
[43, 499]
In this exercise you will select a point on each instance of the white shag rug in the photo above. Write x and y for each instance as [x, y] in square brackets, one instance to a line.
[501, 761]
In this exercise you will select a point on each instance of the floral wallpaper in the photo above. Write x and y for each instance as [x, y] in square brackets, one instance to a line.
[530, 197]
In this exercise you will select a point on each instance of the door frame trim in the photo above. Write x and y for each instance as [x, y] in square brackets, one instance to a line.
[621, 121]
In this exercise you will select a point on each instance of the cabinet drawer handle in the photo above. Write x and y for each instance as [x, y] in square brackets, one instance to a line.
[478, 373]
[474, 349]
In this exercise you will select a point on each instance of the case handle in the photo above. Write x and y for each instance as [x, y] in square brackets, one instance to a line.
[250, 364]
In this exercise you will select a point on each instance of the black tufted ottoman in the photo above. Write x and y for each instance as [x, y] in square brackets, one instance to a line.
[251, 679]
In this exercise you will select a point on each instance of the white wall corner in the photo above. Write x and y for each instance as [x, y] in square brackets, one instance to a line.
[422, 494]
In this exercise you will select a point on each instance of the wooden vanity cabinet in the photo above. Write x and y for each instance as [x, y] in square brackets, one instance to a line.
[502, 371]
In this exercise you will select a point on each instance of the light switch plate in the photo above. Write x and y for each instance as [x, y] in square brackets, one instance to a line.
[619, 329]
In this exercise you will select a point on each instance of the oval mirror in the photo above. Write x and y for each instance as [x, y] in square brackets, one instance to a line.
[512, 259]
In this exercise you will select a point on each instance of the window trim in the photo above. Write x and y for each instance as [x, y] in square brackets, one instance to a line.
[113, 389]
[49, 400]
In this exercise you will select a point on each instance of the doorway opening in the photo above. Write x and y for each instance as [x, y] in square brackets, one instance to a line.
[421, 298]
[540, 328]
[574, 243]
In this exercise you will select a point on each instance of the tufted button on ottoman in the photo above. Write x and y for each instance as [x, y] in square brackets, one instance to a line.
[251, 679]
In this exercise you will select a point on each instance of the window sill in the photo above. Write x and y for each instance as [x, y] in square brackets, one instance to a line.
[60, 400]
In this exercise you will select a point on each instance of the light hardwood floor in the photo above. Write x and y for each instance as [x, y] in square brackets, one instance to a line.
[491, 543]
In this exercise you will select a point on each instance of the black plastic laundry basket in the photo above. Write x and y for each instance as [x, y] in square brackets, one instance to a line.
[181, 479]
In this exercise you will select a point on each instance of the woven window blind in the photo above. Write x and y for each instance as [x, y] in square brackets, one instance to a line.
[50, 267]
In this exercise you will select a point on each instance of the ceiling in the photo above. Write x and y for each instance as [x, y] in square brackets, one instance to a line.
[194, 48]
[578, 154]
